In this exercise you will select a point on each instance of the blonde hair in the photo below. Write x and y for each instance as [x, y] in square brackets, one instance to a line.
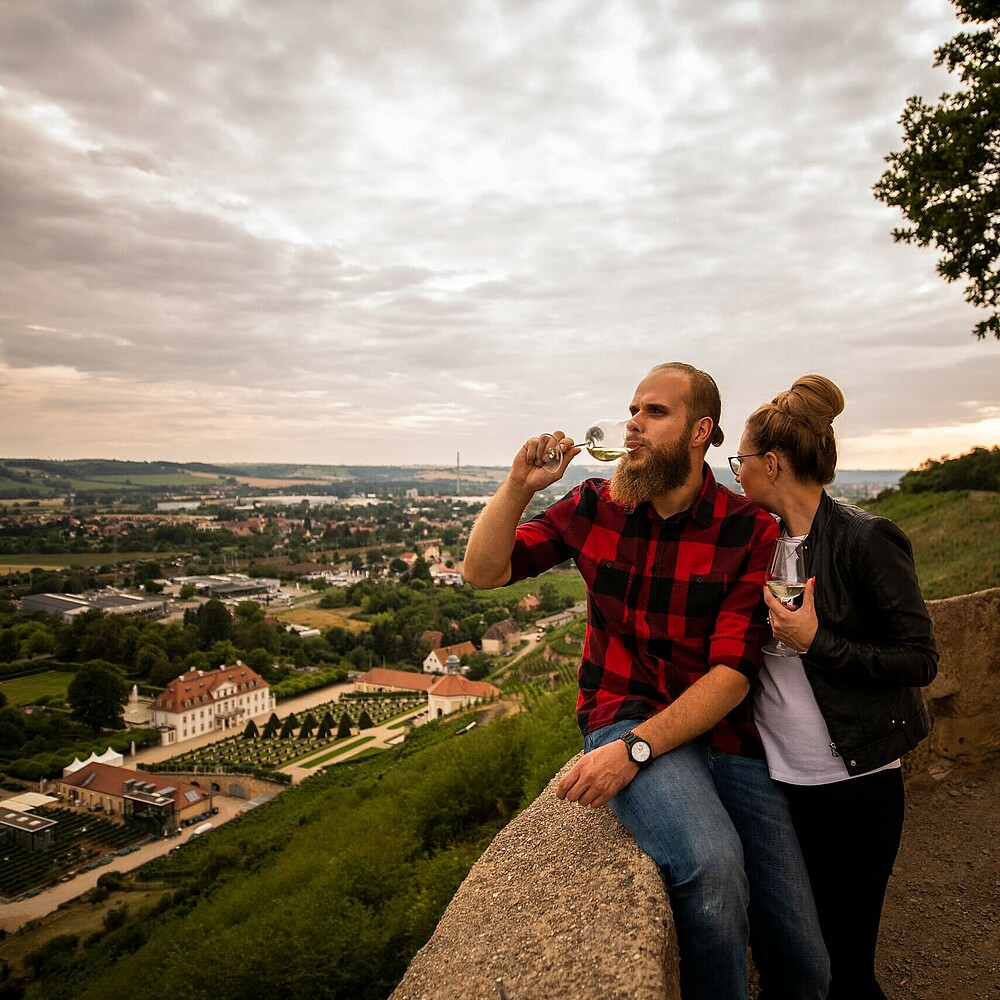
[704, 399]
[798, 424]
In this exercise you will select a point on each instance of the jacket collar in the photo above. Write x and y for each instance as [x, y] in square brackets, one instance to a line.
[821, 518]
[823, 514]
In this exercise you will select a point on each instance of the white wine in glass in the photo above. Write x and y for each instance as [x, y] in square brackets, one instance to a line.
[604, 440]
[786, 579]
[785, 592]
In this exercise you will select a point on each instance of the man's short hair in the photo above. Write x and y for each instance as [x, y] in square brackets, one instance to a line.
[704, 399]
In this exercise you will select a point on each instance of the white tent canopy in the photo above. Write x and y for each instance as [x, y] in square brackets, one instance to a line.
[108, 757]
[27, 801]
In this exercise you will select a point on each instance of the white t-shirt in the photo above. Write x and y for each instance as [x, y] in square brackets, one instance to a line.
[796, 741]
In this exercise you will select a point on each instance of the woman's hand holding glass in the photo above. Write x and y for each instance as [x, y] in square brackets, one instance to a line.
[795, 627]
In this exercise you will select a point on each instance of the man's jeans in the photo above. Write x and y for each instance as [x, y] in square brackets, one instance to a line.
[720, 831]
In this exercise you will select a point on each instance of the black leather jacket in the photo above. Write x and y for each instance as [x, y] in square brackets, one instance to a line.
[874, 648]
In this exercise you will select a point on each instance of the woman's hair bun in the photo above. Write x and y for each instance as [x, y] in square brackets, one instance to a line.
[798, 425]
[813, 400]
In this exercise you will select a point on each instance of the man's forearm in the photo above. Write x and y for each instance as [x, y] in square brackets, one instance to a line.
[600, 775]
[697, 710]
[487, 555]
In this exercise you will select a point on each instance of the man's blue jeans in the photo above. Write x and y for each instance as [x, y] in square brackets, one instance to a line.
[720, 831]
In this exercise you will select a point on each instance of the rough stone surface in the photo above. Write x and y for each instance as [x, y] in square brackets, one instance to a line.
[964, 698]
[562, 905]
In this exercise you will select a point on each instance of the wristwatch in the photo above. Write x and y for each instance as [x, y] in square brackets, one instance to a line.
[639, 751]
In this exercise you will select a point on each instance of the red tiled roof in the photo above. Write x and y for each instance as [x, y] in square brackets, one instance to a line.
[108, 779]
[397, 678]
[452, 684]
[199, 686]
[460, 649]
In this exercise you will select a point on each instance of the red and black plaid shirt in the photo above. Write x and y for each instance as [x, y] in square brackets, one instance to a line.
[666, 599]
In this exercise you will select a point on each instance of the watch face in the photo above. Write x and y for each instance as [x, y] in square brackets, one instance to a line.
[640, 751]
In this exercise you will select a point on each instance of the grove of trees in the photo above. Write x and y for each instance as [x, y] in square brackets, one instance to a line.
[977, 470]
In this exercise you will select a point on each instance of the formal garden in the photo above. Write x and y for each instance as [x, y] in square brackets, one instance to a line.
[265, 751]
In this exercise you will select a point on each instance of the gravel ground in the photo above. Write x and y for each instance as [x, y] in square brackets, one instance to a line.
[941, 923]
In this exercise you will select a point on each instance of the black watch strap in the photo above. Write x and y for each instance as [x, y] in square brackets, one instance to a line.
[639, 750]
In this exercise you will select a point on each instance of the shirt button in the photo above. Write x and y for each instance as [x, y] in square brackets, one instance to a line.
[854, 763]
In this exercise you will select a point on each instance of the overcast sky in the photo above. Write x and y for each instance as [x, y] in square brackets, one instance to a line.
[387, 232]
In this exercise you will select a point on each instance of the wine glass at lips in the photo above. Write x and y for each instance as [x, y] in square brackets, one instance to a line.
[604, 440]
[786, 579]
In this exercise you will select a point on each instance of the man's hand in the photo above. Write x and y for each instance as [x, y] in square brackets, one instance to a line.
[533, 470]
[796, 627]
[491, 542]
[598, 776]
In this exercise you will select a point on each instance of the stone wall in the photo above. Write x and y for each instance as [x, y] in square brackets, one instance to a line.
[238, 786]
[563, 904]
[964, 698]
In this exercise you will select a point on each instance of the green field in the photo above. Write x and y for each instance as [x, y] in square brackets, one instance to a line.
[338, 752]
[567, 583]
[323, 618]
[955, 537]
[87, 560]
[42, 487]
[140, 482]
[27, 690]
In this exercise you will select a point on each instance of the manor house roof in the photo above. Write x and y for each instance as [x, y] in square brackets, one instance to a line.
[205, 686]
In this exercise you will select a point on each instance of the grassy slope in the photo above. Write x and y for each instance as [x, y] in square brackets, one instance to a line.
[955, 537]
[566, 582]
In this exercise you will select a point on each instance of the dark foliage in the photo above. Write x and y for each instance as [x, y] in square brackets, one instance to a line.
[978, 470]
[944, 179]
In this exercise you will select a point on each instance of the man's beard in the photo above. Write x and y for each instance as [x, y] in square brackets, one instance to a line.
[662, 470]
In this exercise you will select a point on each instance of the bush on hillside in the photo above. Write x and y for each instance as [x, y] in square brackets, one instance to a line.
[978, 470]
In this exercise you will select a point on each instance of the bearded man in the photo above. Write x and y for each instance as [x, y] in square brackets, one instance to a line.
[674, 566]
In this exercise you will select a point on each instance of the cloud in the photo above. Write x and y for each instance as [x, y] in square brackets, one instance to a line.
[342, 231]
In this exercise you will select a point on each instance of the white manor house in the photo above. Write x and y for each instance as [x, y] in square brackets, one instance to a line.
[206, 701]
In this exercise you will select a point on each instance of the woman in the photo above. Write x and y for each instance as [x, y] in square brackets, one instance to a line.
[836, 718]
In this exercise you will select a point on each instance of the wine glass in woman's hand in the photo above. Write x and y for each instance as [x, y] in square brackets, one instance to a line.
[786, 579]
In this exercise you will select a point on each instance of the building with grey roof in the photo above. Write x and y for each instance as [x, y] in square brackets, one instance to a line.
[68, 606]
